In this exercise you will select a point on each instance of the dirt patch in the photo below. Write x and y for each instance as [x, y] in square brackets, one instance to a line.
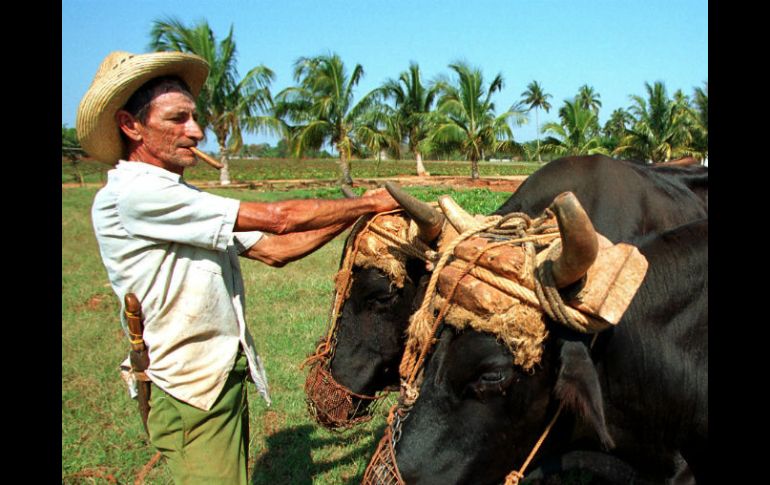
[95, 302]
[271, 422]
[495, 184]
[87, 475]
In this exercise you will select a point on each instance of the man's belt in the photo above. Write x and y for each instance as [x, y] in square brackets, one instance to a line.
[138, 356]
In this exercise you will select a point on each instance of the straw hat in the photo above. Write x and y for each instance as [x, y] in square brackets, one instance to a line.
[118, 77]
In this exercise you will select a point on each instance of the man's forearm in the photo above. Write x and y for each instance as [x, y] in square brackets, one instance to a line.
[279, 250]
[306, 215]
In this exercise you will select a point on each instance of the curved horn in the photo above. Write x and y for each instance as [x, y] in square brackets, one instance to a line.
[347, 191]
[456, 215]
[428, 219]
[579, 244]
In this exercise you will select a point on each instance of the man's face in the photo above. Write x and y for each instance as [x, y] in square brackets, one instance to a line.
[169, 131]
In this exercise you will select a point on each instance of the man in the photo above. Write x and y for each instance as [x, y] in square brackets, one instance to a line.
[176, 248]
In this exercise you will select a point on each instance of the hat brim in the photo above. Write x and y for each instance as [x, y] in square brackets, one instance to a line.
[97, 128]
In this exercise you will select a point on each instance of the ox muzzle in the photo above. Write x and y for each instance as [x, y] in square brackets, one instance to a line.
[331, 404]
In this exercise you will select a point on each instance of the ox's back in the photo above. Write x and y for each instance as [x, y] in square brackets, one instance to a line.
[624, 199]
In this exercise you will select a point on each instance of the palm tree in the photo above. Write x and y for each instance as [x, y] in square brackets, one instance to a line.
[615, 128]
[465, 118]
[616, 125]
[699, 116]
[660, 131]
[576, 134]
[322, 107]
[71, 150]
[225, 105]
[380, 130]
[589, 99]
[536, 98]
[413, 101]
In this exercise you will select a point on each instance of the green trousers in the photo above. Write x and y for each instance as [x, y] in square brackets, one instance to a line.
[204, 447]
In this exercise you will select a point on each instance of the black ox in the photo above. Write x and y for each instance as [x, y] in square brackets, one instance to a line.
[624, 199]
[640, 393]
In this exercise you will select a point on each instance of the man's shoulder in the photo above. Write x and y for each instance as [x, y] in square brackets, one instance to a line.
[137, 178]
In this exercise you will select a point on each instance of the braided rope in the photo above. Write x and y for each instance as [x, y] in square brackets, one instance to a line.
[515, 476]
[415, 248]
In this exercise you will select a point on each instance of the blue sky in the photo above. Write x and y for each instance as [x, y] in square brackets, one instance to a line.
[615, 46]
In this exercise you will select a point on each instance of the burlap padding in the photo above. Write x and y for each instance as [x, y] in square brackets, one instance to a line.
[521, 328]
[374, 251]
[484, 308]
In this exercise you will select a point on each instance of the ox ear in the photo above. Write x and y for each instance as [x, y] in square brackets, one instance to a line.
[577, 386]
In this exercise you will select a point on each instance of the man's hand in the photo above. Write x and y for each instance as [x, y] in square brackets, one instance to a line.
[384, 200]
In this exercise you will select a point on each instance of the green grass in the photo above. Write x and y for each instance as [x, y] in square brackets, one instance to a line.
[102, 435]
[286, 169]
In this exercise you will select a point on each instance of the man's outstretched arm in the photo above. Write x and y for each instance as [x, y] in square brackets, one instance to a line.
[279, 250]
[306, 215]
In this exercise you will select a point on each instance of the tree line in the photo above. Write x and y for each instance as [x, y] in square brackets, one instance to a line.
[452, 115]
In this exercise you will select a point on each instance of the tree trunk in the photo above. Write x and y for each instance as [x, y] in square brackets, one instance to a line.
[421, 172]
[345, 169]
[78, 174]
[537, 125]
[474, 169]
[224, 172]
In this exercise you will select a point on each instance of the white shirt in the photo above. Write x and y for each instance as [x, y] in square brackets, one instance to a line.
[174, 247]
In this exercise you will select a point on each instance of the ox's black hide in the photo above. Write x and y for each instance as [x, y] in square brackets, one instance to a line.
[623, 199]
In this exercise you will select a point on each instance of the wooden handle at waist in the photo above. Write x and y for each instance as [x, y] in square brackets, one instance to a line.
[135, 322]
[206, 158]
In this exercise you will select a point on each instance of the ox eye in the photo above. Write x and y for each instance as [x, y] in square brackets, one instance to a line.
[490, 383]
[386, 298]
[383, 300]
[492, 377]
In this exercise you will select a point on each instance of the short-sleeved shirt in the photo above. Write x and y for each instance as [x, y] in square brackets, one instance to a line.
[174, 247]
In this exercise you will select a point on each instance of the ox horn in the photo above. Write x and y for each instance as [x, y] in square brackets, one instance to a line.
[429, 220]
[456, 215]
[347, 191]
[579, 244]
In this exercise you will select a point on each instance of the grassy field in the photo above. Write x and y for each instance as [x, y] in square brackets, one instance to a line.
[102, 437]
[284, 169]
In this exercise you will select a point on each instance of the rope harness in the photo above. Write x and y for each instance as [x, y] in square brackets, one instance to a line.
[536, 238]
[384, 241]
